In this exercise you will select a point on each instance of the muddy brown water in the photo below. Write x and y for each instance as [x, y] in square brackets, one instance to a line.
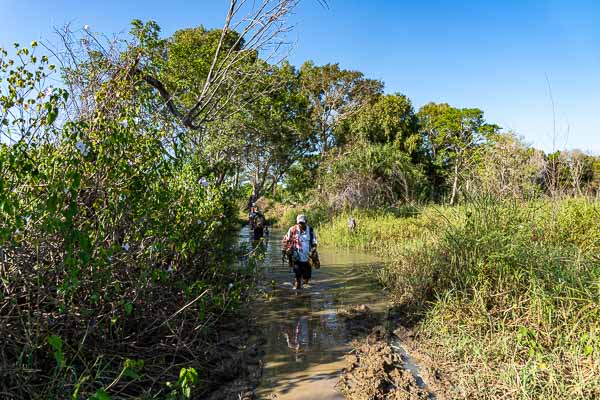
[306, 340]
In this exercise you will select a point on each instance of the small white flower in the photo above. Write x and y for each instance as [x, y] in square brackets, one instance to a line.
[125, 246]
[83, 149]
[124, 123]
[203, 182]
[86, 27]
[230, 285]
[48, 91]
[170, 269]
[136, 120]
[199, 222]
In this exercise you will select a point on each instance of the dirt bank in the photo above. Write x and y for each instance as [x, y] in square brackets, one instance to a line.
[237, 367]
[375, 370]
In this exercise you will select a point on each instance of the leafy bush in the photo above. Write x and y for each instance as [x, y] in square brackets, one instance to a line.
[314, 215]
[111, 250]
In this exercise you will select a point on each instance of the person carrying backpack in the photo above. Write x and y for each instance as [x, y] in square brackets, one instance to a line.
[258, 224]
[300, 245]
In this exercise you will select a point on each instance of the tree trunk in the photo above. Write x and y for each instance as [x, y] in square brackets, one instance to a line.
[236, 181]
[454, 185]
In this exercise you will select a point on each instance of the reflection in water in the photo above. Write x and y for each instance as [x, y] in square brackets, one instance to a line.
[306, 342]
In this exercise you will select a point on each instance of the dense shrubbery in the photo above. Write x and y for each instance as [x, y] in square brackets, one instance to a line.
[508, 292]
[112, 263]
[369, 176]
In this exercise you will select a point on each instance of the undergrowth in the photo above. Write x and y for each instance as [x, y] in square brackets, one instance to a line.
[115, 263]
[506, 293]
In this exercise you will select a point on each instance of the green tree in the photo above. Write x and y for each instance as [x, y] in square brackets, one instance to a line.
[191, 70]
[335, 94]
[274, 127]
[301, 179]
[452, 137]
[215, 59]
[391, 119]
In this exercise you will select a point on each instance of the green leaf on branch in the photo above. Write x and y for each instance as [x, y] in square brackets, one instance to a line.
[56, 343]
[128, 308]
[100, 395]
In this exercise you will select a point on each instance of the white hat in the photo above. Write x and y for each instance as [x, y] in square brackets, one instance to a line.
[301, 218]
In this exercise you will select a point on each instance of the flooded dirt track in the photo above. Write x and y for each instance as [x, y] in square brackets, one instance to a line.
[306, 339]
[330, 337]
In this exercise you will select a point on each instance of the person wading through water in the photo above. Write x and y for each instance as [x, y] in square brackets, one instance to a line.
[300, 246]
[258, 223]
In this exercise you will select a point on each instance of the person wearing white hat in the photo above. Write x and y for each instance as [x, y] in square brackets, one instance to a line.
[299, 242]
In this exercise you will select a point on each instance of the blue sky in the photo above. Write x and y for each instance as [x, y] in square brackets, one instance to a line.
[500, 56]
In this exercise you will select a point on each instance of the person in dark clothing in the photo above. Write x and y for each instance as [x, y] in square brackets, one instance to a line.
[258, 224]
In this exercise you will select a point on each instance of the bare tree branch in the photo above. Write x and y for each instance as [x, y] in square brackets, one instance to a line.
[263, 24]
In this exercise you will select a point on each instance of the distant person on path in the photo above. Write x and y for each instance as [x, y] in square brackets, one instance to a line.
[251, 202]
[351, 224]
[300, 246]
[252, 213]
[258, 223]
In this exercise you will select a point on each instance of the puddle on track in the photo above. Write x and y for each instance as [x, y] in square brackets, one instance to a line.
[306, 340]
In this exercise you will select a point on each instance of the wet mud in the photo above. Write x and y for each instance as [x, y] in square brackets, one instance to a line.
[375, 371]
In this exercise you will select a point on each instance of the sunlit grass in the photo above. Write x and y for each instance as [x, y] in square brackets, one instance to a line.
[508, 292]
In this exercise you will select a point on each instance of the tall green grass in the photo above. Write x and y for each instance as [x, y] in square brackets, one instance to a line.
[508, 294]
[314, 215]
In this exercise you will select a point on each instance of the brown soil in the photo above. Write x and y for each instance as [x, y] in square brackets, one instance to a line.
[437, 380]
[359, 321]
[375, 372]
[237, 365]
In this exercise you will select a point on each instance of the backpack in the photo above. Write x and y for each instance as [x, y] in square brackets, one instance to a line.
[259, 221]
[291, 252]
[287, 242]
